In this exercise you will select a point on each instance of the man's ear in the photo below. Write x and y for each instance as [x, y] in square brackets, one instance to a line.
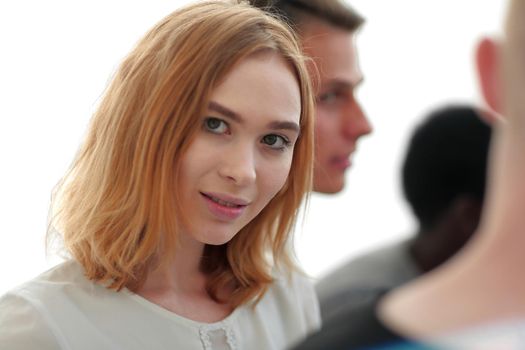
[488, 64]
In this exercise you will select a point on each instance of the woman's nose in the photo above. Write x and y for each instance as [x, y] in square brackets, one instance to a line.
[239, 165]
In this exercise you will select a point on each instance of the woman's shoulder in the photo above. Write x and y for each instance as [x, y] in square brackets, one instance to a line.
[66, 276]
[56, 294]
[61, 308]
[292, 284]
[292, 296]
[25, 311]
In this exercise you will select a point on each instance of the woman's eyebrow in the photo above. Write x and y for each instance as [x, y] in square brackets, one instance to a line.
[284, 125]
[214, 106]
[274, 125]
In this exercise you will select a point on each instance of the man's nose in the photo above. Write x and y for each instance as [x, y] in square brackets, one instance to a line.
[355, 123]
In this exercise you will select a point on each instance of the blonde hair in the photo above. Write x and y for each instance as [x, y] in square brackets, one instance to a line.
[118, 201]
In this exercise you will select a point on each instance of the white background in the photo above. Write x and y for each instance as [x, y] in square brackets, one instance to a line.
[56, 58]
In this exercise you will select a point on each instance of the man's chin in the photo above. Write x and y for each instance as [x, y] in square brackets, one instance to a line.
[329, 186]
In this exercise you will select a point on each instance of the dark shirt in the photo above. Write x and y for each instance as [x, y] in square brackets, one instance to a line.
[358, 328]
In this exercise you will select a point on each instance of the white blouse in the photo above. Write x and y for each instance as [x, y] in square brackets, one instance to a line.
[62, 309]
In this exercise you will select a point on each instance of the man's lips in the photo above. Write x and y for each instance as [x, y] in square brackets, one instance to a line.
[341, 162]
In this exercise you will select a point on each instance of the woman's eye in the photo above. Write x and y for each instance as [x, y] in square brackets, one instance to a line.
[276, 141]
[216, 125]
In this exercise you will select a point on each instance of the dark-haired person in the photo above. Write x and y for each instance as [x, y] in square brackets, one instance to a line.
[475, 301]
[327, 31]
[443, 177]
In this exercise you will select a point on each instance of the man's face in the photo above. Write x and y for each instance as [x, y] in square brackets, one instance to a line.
[340, 121]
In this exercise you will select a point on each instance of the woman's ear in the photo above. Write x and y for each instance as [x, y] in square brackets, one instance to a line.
[488, 64]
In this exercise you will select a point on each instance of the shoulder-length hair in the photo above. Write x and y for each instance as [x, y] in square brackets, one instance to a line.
[117, 207]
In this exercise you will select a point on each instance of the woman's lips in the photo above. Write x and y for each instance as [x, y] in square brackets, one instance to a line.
[223, 207]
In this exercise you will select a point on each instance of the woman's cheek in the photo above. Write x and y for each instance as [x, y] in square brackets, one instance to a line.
[276, 175]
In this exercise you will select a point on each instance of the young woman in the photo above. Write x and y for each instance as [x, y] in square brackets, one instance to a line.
[178, 207]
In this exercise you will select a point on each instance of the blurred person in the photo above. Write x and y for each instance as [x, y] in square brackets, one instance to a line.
[443, 178]
[178, 208]
[327, 32]
[475, 301]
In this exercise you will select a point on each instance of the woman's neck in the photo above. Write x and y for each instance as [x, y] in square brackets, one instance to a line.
[182, 273]
[180, 286]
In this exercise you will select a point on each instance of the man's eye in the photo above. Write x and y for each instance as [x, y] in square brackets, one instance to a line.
[215, 125]
[328, 97]
[276, 141]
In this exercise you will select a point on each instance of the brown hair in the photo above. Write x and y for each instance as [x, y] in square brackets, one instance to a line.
[118, 201]
[335, 12]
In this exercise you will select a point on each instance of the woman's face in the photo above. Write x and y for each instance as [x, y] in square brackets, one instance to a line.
[242, 153]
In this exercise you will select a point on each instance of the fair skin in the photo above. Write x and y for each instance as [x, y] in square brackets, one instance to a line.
[483, 284]
[239, 160]
[340, 120]
[487, 62]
